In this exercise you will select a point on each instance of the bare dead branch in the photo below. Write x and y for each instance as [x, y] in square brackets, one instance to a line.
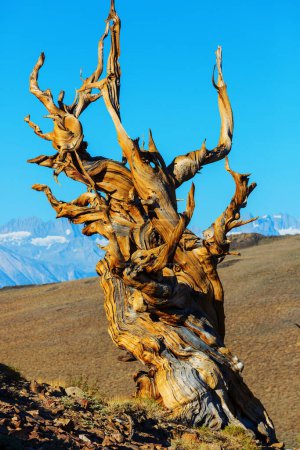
[83, 96]
[37, 130]
[229, 219]
[44, 96]
[186, 166]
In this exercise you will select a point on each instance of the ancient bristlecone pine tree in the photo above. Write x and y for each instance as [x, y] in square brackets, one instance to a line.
[163, 296]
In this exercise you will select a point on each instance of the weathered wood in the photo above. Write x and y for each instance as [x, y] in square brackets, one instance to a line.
[164, 299]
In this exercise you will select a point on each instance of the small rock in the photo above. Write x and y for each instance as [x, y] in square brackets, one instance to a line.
[33, 435]
[56, 391]
[117, 437]
[106, 441]
[277, 445]
[84, 403]
[34, 412]
[65, 424]
[41, 396]
[63, 436]
[85, 439]
[74, 391]
[24, 393]
[51, 428]
[98, 432]
[16, 422]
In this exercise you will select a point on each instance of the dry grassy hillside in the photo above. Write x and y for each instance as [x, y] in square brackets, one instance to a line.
[58, 332]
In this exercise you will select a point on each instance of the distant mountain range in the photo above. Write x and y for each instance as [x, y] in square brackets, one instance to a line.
[267, 225]
[275, 225]
[36, 252]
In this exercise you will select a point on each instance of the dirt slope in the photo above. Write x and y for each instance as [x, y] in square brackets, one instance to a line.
[58, 332]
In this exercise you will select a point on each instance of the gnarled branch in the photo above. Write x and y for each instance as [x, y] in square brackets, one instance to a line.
[229, 219]
[186, 166]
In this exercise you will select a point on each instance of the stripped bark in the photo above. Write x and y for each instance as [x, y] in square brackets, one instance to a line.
[163, 297]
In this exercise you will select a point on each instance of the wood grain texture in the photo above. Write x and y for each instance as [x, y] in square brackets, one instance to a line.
[163, 296]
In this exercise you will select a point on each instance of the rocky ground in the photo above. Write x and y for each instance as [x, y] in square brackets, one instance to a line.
[40, 416]
[57, 333]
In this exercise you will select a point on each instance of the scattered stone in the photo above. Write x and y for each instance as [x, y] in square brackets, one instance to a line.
[33, 435]
[117, 437]
[106, 441]
[16, 422]
[85, 439]
[98, 432]
[75, 392]
[34, 412]
[66, 424]
[84, 403]
[51, 428]
[24, 393]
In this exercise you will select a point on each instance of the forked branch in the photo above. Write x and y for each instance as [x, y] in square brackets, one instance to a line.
[216, 236]
[186, 166]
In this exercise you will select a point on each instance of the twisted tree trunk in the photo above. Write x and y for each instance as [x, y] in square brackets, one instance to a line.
[163, 296]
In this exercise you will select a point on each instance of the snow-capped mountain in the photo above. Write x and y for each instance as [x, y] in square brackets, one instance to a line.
[271, 225]
[36, 252]
[267, 225]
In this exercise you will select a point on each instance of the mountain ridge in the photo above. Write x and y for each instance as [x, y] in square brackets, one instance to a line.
[33, 251]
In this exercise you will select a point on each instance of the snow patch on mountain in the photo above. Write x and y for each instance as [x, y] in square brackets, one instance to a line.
[34, 252]
[49, 240]
[290, 230]
[14, 236]
[271, 225]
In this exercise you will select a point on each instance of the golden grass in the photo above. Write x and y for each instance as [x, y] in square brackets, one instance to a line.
[231, 438]
[135, 406]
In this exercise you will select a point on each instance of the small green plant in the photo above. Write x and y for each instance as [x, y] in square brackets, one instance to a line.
[96, 405]
[91, 387]
[134, 406]
[242, 437]
[233, 430]
[68, 402]
[186, 443]
[231, 438]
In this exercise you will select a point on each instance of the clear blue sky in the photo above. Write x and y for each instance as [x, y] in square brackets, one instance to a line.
[167, 60]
